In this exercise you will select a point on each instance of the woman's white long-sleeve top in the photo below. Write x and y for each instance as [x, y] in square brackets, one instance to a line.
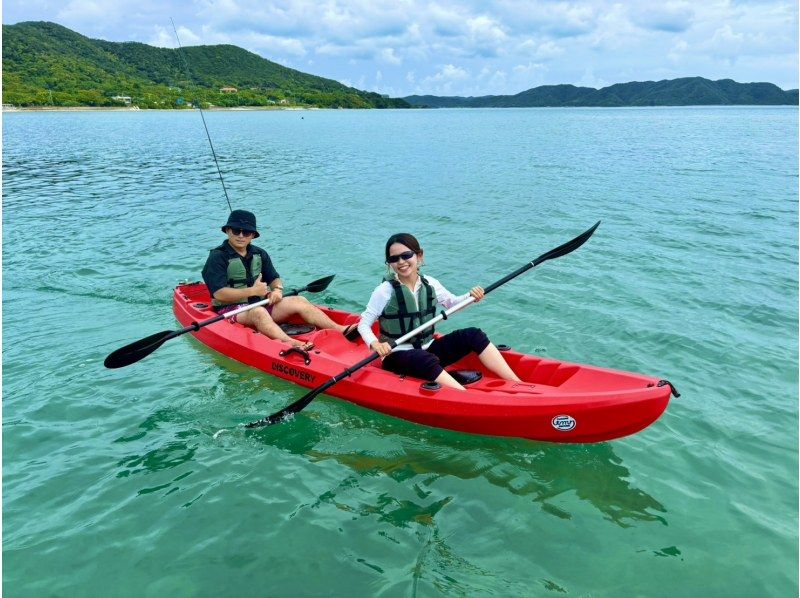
[383, 294]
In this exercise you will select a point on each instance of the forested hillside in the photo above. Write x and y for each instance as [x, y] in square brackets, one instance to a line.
[45, 64]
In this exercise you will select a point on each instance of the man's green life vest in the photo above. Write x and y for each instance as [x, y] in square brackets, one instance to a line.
[238, 278]
[404, 312]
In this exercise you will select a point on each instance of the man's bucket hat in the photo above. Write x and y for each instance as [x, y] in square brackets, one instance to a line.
[242, 219]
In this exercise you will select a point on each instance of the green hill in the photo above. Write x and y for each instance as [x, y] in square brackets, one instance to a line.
[46, 64]
[688, 91]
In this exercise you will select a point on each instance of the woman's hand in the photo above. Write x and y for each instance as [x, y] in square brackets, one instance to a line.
[382, 349]
[476, 293]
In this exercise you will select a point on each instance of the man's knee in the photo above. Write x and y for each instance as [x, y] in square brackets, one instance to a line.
[295, 304]
[301, 303]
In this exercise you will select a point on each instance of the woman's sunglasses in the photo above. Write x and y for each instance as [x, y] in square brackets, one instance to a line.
[240, 231]
[406, 255]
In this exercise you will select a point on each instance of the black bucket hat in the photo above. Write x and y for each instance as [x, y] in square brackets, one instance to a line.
[242, 219]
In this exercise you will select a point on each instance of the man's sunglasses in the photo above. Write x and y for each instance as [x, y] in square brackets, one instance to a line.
[240, 231]
[406, 255]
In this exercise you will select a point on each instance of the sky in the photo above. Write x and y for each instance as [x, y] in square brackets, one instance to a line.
[463, 47]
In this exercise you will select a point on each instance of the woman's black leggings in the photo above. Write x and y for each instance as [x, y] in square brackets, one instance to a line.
[428, 363]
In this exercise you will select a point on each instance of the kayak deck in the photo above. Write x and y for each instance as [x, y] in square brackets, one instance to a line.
[556, 401]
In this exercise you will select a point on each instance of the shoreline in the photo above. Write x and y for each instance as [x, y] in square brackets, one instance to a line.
[7, 109]
[137, 109]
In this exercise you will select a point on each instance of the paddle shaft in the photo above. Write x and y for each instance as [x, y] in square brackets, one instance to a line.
[233, 312]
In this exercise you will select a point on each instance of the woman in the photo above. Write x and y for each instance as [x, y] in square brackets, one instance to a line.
[406, 299]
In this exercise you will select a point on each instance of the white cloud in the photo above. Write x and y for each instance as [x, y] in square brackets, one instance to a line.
[444, 22]
[162, 38]
[83, 11]
[528, 69]
[490, 79]
[486, 36]
[165, 38]
[388, 55]
[525, 76]
[589, 80]
[445, 79]
[541, 51]
[678, 50]
[614, 30]
[265, 44]
[450, 73]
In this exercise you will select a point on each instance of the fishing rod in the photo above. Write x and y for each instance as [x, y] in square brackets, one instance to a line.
[189, 77]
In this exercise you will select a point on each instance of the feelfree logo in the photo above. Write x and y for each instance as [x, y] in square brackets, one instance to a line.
[564, 423]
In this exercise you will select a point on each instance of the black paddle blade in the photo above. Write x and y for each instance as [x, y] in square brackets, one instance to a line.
[567, 247]
[319, 285]
[295, 407]
[270, 420]
[139, 350]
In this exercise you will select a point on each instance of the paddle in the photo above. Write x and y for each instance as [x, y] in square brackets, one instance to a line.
[142, 348]
[300, 404]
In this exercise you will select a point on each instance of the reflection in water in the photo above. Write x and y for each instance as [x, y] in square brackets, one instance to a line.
[418, 456]
[594, 473]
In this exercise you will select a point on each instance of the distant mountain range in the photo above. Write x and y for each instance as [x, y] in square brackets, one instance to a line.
[688, 91]
[45, 64]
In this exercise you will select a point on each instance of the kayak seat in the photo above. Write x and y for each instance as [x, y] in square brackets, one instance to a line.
[296, 329]
[464, 377]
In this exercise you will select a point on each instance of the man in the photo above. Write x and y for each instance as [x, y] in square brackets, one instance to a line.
[237, 272]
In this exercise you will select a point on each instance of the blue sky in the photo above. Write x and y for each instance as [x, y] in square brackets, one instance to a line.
[403, 47]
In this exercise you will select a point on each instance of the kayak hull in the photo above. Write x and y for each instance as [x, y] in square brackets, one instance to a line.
[557, 401]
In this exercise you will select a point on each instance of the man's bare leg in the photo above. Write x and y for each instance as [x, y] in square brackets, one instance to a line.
[259, 318]
[300, 306]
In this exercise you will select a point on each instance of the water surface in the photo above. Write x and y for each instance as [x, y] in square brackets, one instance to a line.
[112, 481]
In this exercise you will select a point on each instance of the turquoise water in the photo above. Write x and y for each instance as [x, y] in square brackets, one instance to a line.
[113, 483]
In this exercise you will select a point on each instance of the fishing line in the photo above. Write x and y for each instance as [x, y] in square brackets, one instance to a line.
[189, 77]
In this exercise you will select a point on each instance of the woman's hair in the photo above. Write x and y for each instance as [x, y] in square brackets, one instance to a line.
[406, 239]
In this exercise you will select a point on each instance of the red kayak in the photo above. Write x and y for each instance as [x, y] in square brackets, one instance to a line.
[557, 401]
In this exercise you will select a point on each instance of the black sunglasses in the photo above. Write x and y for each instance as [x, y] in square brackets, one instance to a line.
[406, 255]
[240, 231]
